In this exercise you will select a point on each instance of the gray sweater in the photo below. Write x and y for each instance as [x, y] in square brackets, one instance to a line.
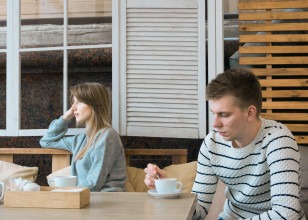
[102, 168]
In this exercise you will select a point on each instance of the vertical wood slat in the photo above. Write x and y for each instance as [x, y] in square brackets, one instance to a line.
[268, 66]
[60, 161]
[280, 71]
[6, 157]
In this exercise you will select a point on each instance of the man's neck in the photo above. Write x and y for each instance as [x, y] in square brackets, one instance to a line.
[250, 134]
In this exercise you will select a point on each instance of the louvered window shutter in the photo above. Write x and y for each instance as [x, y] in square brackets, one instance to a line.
[159, 68]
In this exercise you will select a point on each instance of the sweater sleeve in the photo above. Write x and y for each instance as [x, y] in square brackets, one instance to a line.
[54, 137]
[205, 183]
[284, 163]
[103, 157]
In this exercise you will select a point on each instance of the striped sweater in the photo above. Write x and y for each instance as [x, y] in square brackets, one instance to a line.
[262, 178]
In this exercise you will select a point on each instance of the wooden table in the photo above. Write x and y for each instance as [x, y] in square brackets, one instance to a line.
[113, 205]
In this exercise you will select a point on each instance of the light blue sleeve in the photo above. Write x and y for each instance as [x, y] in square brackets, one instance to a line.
[54, 137]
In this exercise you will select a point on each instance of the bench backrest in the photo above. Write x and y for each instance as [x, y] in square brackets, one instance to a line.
[61, 158]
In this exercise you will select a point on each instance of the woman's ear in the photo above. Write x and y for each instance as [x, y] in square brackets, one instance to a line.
[251, 113]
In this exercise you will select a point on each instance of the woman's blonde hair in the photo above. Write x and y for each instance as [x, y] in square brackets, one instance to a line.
[97, 97]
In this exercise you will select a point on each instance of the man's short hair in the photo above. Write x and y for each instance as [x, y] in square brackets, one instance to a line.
[240, 83]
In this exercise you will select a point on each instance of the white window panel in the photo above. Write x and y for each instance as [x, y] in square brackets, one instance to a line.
[13, 68]
[194, 117]
[14, 72]
[215, 43]
[159, 68]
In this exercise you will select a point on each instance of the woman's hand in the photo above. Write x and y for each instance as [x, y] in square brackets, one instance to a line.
[151, 174]
[69, 114]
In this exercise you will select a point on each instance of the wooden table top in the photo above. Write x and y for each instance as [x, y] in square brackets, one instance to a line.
[115, 206]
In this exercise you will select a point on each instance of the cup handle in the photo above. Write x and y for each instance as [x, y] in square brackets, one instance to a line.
[179, 183]
[51, 183]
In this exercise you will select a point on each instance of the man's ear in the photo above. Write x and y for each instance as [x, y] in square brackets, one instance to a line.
[251, 112]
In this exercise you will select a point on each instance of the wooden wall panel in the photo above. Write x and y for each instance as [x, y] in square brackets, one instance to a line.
[274, 43]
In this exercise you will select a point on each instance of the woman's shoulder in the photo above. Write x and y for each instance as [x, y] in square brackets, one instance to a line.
[109, 133]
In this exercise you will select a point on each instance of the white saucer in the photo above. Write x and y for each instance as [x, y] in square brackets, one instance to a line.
[154, 193]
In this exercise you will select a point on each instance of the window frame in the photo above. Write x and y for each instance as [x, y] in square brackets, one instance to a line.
[13, 68]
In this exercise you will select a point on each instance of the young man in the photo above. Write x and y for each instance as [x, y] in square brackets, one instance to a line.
[257, 159]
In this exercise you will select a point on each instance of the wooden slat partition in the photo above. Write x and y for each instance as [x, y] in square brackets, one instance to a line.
[61, 158]
[280, 71]
[273, 38]
[273, 49]
[273, 16]
[274, 27]
[255, 5]
[274, 43]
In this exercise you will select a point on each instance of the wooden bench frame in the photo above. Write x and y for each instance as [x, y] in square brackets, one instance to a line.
[61, 158]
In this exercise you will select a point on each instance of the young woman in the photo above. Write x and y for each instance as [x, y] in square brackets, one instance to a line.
[98, 158]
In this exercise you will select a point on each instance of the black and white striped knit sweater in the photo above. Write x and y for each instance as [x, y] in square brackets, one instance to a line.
[262, 178]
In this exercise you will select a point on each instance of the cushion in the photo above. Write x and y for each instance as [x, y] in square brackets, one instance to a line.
[8, 170]
[129, 187]
[62, 172]
[184, 173]
[304, 166]
[135, 180]
[304, 178]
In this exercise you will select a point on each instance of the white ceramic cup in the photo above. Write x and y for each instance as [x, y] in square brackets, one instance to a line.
[2, 189]
[63, 181]
[167, 185]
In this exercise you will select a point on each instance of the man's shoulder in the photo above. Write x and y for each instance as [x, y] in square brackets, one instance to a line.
[275, 127]
[275, 132]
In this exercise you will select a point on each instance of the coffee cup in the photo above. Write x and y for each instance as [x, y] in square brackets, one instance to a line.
[167, 185]
[2, 189]
[63, 181]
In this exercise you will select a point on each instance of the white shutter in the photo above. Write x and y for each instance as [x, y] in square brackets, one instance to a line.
[159, 68]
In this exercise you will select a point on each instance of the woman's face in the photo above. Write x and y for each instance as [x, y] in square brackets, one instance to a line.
[82, 111]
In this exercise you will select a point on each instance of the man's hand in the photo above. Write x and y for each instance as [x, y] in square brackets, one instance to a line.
[151, 174]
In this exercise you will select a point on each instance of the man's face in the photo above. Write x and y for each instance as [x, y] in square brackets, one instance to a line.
[229, 119]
